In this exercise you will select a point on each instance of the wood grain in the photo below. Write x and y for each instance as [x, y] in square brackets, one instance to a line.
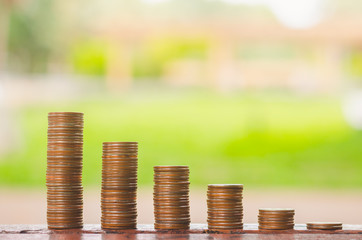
[197, 231]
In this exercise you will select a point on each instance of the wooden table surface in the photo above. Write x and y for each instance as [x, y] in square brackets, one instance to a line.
[197, 231]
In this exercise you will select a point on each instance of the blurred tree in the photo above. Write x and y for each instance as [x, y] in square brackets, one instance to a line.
[5, 8]
[354, 65]
[150, 61]
[30, 36]
[89, 57]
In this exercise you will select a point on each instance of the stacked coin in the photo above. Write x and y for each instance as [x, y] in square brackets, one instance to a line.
[171, 197]
[276, 218]
[119, 185]
[324, 225]
[224, 206]
[64, 170]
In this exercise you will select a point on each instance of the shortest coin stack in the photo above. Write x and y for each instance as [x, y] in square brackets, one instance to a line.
[224, 205]
[276, 218]
[324, 225]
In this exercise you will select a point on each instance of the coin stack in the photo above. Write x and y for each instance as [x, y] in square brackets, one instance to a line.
[224, 206]
[324, 225]
[171, 197]
[64, 170]
[276, 218]
[119, 185]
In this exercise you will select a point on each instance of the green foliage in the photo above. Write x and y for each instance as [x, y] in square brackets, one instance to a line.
[89, 57]
[273, 141]
[30, 36]
[354, 65]
[151, 60]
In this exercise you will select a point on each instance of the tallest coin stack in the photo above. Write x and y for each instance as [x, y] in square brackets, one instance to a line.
[64, 170]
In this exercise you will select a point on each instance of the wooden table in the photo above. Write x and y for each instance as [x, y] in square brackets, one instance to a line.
[197, 231]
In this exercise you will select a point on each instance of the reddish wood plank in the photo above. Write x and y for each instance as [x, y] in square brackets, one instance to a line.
[149, 236]
[197, 231]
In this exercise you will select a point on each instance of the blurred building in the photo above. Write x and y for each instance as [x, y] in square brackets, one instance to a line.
[216, 44]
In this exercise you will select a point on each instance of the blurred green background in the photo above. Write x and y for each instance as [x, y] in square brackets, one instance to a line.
[257, 140]
[241, 92]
